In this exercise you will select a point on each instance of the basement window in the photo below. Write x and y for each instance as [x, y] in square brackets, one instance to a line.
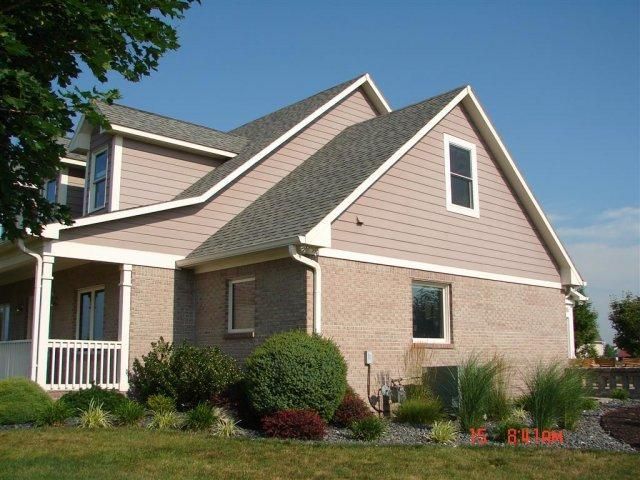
[431, 320]
[242, 305]
[461, 176]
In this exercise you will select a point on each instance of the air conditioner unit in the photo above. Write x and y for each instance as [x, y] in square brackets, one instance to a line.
[443, 382]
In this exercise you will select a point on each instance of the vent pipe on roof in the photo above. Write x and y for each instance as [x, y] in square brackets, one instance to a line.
[317, 286]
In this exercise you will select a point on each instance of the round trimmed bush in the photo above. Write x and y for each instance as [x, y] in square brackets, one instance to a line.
[80, 400]
[21, 401]
[293, 370]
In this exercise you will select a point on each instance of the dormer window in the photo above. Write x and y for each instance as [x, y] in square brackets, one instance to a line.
[461, 176]
[98, 181]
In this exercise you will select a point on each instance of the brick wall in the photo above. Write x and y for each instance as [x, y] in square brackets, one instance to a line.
[161, 305]
[368, 307]
[281, 304]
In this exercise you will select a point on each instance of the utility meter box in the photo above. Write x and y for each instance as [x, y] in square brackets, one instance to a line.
[368, 357]
[443, 382]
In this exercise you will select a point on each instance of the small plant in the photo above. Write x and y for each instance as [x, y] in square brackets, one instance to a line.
[225, 425]
[161, 404]
[590, 404]
[368, 429]
[501, 430]
[80, 400]
[443, 432]
[54, 414]
[519, 414]
[300, 424]
[479, 385]
[419, 411]
[620, 394]
[129, 413]
[95, 416]
[21, 401]
[203, 417]
[351, 409]
[166, 420]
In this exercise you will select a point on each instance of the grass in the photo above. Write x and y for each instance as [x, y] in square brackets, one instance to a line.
[135, 453]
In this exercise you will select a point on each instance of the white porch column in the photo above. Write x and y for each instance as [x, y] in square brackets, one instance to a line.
[571, 344]
[124, 321]
[42, 336]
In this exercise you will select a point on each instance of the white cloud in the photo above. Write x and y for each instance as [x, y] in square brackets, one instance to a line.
[612, 227]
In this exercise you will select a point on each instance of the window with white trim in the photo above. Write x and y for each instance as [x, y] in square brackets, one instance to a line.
[51, 190]
[461, 176]
[5, 312]
[242, 305]
[98, 180]
[431, 319]
[90, 324]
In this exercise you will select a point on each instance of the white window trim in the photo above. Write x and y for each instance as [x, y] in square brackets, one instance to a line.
[230, 328]
[446, 311]
[93, 290]
[452, 207]
[4, 328]
[91, 190]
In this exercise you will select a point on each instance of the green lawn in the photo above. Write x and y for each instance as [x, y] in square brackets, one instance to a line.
[137, 453]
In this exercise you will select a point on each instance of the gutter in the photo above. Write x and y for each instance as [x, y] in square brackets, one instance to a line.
[35, 333]
[317, 286]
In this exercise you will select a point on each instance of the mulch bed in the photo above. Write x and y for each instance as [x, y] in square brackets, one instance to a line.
[623, 424]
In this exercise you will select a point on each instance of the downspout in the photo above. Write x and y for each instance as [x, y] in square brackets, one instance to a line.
[317, 286]
[35, 333]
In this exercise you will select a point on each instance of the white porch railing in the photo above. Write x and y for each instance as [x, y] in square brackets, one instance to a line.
[76, 364]
[15, 358]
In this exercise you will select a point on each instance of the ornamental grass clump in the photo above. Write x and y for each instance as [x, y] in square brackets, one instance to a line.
[296, 371]
[225, 426]
[161, 404]
[54, 414]
[619, 394]
[203, 417]
[95, 416]
[167, 420]
[129, 413]
[368, 429]
[479, 383]
[419, 411]
[444, 432]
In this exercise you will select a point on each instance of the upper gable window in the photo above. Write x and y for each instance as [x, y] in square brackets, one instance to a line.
[51, 190]
[461, 176]
[98, 181]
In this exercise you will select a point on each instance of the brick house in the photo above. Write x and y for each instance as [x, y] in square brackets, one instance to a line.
[388, 231]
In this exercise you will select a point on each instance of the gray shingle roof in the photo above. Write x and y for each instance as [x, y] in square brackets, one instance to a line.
[64, 141]
[263, 131]
[308, 194]
[170, 127]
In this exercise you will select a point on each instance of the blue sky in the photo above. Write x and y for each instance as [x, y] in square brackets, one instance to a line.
[560, 80]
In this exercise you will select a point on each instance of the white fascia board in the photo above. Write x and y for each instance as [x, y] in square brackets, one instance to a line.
[71, 161]
[162, 140]
[81, 139]
[247, 259]
[52, 230]
[570, 275]
[429, 267]
[375, 95]
[97, 253]
[382, 169]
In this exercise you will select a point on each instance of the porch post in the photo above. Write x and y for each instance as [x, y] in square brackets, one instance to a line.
[42, 335]
[123, 326]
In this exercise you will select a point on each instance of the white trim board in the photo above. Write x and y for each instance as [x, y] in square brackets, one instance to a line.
[429, 267]
[52, 230]
[96, 253]
[116, 174]
[71, 161]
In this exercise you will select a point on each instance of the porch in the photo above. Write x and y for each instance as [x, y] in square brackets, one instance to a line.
[67, 333]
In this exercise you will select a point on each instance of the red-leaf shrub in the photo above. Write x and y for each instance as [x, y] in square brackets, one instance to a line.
[351, 409]
[300, 424]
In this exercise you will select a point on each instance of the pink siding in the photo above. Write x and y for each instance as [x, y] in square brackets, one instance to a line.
[405, 215]
[181, 230]
[152, 174]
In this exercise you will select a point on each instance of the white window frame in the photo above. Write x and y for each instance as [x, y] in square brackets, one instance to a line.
[92, 178]
[471, 147]
[93, 290]
[446, 311]
[230, 328]
[6, 320]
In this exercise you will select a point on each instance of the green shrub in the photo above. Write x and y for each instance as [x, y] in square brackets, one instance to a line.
[54, 414]
[80, 400]
[166, 420]
[95, 416]
[556, 396]
[419, 411]
[500, 432]
[368, 429]
[161, 404]
[188, 373]
[203, 417]
[129, 412]
[479, 384]
[294, 370]
[443, 432]
[21, 401]
[590, 404]
[620, 394]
